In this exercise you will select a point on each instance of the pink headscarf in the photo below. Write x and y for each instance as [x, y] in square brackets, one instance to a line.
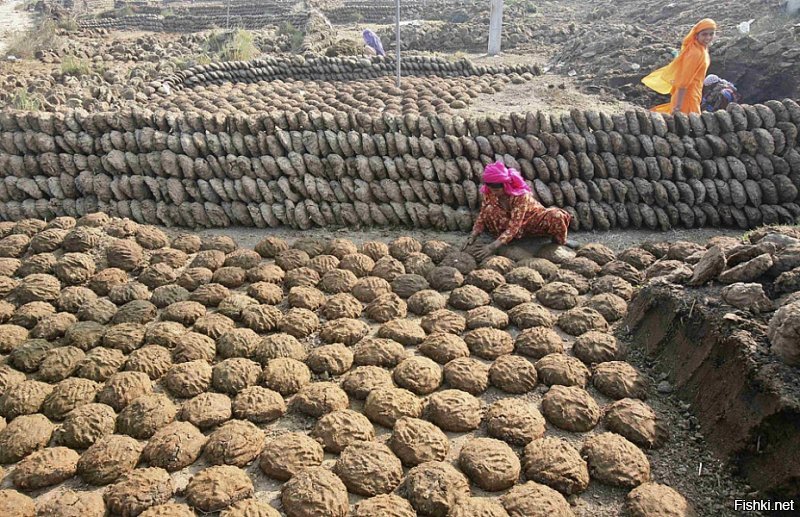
[497, 172]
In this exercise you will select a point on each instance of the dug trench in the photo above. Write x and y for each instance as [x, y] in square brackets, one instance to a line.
[747, 403]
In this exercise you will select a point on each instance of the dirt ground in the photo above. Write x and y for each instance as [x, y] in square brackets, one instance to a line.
[551, 93]
[617, 240]
[12, 20]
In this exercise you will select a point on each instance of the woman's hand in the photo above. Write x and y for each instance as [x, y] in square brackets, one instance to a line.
[486, 251]
[470, 241]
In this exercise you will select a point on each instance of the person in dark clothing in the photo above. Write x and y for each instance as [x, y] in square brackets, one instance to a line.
[718, 93]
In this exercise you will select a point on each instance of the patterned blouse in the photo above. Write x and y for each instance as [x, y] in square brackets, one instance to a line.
[524, 216]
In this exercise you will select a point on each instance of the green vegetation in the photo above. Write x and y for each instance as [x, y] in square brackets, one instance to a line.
[234, 45]
[296, 36]
[117, 13]
[188, 62]
[68, 24]
[25, 45]
[74, 66]
[22, 100]
[240, 48]
[455, 56]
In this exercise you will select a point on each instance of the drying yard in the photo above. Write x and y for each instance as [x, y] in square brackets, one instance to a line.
[232, 283]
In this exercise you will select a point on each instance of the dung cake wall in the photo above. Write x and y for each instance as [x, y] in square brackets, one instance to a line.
[89, 7]
[636, 169]
[182, 17]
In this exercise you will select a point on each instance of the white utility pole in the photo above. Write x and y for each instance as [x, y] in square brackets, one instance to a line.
[495, 26]
[397, 38]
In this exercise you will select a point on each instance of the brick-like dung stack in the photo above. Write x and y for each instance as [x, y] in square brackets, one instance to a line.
[332, 69]
[384, 11]
[191, 17]
[739, 167]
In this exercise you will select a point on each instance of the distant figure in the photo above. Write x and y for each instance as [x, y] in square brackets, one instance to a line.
[683, 78]
[718, 93]
[374, 42]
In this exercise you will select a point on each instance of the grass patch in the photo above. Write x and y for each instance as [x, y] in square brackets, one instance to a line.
[122, 12]
[241, 47]
[74, 66]
[22, 100]
[456, 56]
[295, 35]
[234, 45]
[188, 62]
[41, 37]
[68, 24]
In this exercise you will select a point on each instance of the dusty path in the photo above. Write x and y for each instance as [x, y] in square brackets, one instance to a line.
[617, 240]
[12, 21]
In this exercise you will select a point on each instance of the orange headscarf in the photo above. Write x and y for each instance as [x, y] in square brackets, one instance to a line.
[685, 71]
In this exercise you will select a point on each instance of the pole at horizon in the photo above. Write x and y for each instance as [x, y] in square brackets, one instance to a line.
[397, 38]
[495, 26]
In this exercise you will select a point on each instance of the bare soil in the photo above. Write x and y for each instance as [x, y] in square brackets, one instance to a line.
[617, 240]
[12, 20]
[743, 398]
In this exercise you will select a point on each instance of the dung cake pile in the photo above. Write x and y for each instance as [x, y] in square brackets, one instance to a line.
[345, 167]
[184, 17]
[384, 11]
[325, 68]
[460, 37]
[129, 357]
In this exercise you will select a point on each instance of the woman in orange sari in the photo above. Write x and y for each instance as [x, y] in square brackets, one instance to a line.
[683, 78]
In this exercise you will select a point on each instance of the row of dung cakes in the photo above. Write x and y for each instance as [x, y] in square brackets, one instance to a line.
[88, 7]
[384, 11]
[144, 22]
[333, 69]
[472, 36]
[191, 22]
[191, 17]
[637, 169]
[139, 6]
